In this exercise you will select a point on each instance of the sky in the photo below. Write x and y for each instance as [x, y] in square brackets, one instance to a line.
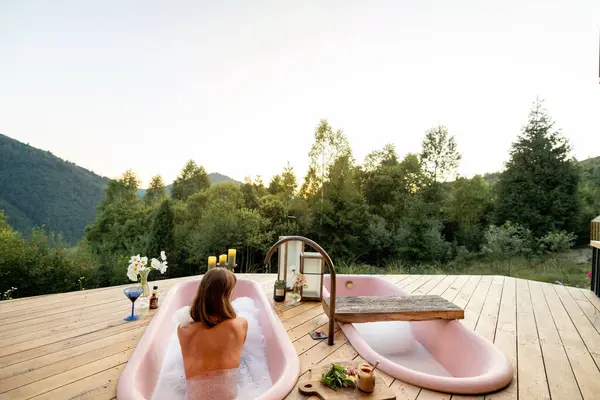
[239, 86]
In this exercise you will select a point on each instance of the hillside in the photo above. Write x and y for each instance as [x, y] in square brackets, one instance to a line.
[37, 188]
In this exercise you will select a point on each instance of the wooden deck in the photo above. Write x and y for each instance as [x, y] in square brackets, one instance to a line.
[75, 345]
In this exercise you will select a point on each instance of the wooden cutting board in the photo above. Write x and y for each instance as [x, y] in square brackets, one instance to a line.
[311, 386]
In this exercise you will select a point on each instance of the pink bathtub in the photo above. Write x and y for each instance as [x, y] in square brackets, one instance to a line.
[139, 377]
[439, 354]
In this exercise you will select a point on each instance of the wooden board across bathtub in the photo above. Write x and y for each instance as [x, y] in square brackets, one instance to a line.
[393, 308]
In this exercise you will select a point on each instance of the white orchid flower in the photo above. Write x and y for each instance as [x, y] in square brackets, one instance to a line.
[144, 261]
[163, 256]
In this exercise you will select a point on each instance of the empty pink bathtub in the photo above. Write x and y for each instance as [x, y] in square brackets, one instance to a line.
[440, 355]
[139, 378]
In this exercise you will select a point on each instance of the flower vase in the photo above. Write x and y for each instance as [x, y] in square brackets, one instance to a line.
[144, 283]
[295, 296]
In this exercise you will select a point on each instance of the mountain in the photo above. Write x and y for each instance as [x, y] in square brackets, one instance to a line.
[215, 177]
[37, 188]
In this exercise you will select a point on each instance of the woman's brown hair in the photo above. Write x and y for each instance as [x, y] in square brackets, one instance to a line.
[211, 305]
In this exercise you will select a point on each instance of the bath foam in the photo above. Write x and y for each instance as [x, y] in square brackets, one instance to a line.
[253, 377]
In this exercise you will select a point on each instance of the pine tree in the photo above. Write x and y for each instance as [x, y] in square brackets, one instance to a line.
[156, 191]
[193, 179]
[162, 235]
[288, 178]
[538, 189]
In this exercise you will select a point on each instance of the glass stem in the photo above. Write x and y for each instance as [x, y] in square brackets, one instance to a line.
[132, 304]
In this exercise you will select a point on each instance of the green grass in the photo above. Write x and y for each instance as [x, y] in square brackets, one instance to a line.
[545, 269]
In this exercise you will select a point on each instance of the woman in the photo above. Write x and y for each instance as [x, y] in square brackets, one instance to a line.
[211, 345]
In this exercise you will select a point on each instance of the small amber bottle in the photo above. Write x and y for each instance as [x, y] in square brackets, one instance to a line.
[154, 298]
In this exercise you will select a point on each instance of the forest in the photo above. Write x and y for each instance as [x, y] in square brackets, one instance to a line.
[385, 214]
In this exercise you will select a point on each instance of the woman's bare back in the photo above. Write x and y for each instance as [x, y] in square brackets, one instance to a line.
[212, 349]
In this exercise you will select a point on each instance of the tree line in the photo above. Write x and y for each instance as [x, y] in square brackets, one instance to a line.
[384, 211]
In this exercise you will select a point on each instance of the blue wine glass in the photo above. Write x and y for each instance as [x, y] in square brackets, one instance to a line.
[132, 294]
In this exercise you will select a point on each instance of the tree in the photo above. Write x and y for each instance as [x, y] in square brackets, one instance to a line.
[538, 189]
[192, 179]
[276, 185]
[156, 191]
[311, 185]
[439, 155]
[162, 235]
[342, 222]
[327, 147]
[468, 207]
[288, 181]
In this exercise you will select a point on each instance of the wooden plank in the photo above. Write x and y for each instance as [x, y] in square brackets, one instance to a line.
[60, 322]
[532, 377]
[475, 303]
[483, 308]
[582, 363]
[561, 379]
[488, 318]
[394, 308]
[426, 394]
[454, 289]
[395, 279]
[45, 340]
[316, 354]
[73, 375]
[302, 318]
[444, 285]
[405, 391]
[57, 319]
[65, 344]
[591, 297]
[83, 386]
[66, 365]
[306, 342]
[481, 315]
[505, 338]
[461, 297]
[301, 330]
[417, 283]
[586, 330]
[68, 355]
[433, 282]
[592, 314]
[57, 330]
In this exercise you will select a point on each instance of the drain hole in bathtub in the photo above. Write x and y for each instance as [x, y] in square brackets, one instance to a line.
[349, 284]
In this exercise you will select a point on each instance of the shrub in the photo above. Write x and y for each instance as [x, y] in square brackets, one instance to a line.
[557, 242]
[507, 241]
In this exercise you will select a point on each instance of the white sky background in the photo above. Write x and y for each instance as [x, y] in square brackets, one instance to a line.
[240, 86]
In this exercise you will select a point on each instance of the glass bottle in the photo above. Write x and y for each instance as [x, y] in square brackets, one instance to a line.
[154, 298]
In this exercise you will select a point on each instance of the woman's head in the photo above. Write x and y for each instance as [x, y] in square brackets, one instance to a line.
[212, 303]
